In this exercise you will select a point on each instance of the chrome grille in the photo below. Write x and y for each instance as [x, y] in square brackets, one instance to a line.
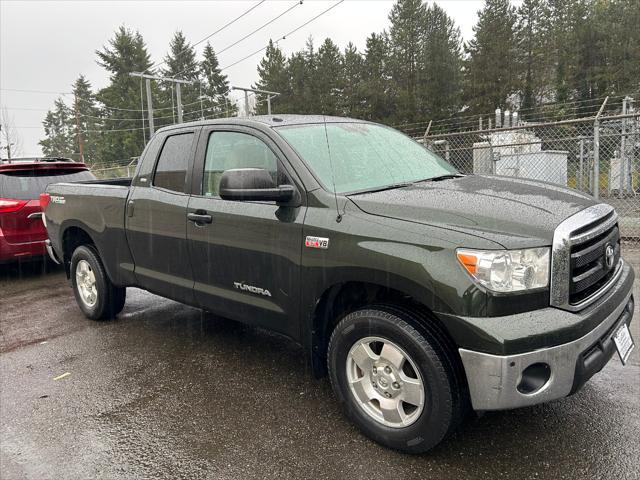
[580, 273]
[589, 268]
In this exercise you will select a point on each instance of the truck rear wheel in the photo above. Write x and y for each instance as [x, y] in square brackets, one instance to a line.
[97, 297]
[396, 383]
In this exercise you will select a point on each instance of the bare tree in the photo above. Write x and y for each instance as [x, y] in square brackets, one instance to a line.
[10, 139]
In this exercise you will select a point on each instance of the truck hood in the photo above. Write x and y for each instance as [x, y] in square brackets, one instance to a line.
[515, 213]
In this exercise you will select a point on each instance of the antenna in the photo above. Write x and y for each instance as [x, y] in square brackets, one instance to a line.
[333, 178]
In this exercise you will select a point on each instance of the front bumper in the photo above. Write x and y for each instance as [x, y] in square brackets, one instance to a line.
[496, 381]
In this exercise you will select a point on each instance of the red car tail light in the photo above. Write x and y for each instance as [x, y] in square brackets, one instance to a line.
[45, 198]
[10, 205]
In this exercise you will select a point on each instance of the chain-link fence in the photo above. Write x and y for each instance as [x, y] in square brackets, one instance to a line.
[597, 155]
[117, 169]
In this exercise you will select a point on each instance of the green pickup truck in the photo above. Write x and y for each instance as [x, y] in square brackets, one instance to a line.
[421, 292]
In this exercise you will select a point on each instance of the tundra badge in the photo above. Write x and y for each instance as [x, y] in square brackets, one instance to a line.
[251, 288]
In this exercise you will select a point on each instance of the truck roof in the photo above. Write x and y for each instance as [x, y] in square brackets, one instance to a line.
[268, 120]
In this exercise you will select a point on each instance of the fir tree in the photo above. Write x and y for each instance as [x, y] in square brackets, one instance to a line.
[215, 85]
[59, 141]
[352, 94]
[329, 77]
[180, 62]
[376, 81]
[490, 70]
[88, 119]
[123, 137]
[532, 37]
[441, 65]
[273, 77]
[407, 19]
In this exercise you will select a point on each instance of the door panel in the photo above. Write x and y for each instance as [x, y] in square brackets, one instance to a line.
[156, 232]
[156, 221]
[246, 262]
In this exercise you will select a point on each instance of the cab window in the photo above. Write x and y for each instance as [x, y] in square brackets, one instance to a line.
[171, 170]
[229, 150]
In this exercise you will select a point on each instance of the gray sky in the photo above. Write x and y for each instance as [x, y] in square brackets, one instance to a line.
[45, 45]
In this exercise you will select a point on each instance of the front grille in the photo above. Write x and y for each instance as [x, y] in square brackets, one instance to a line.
[589, 270]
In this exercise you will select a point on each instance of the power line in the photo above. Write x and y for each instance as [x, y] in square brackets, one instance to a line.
[285, 35]
[298, 3]
[29, 109]
[212, 34]
[35, 91]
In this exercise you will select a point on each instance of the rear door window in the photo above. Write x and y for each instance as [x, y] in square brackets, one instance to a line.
[171, 171]
[29, 184]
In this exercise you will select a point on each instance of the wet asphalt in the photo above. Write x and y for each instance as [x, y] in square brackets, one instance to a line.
[167, 391]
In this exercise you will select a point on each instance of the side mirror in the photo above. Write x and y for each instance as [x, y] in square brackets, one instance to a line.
[253, 184]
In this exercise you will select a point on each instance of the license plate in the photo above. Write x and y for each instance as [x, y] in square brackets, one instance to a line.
[624, 343]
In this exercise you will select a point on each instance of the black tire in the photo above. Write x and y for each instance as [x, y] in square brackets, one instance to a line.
[110, 299]
[444, 392]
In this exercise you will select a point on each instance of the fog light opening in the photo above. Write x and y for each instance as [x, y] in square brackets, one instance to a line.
[533, 378]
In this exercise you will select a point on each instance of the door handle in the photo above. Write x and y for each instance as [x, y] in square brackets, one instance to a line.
[199, 218]
[130, 205]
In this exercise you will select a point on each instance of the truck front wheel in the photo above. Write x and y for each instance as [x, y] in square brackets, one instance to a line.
[97, 297]
[396, 382]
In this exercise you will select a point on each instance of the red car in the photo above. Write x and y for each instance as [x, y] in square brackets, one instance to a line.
[22, 233]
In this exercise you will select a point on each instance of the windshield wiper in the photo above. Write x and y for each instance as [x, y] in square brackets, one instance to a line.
[443, 177]
[387, 187]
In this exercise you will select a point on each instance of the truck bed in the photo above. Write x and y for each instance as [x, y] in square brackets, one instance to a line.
[97, 207]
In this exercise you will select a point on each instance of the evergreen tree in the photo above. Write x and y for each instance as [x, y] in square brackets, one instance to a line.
[407, 19]
[215, 85]
[352, 101]
[619, 20]
[88, 119]
[60, 135]
[329, 78]
[566, 22]
[441, 65]
[310, 83]
[181, 63]
[532, 36]
[299, 81]
[376, 81]
[123, 136]
[273, 77]
[490, 70]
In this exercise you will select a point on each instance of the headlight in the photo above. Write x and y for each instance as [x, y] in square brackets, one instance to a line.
[507, 270]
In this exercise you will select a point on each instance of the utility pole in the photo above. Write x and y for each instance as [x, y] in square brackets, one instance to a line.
[78, 132]
[179, 102]
[596, 151]
[150, 107]
[246, 91]
[177, 83]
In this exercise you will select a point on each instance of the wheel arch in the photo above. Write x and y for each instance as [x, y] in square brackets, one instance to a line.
[342, 298]
[73, 236]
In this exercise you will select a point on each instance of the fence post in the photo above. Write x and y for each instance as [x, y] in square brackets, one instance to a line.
[580, 182]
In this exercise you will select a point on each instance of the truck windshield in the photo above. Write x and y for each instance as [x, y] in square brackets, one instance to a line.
[363, 156]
